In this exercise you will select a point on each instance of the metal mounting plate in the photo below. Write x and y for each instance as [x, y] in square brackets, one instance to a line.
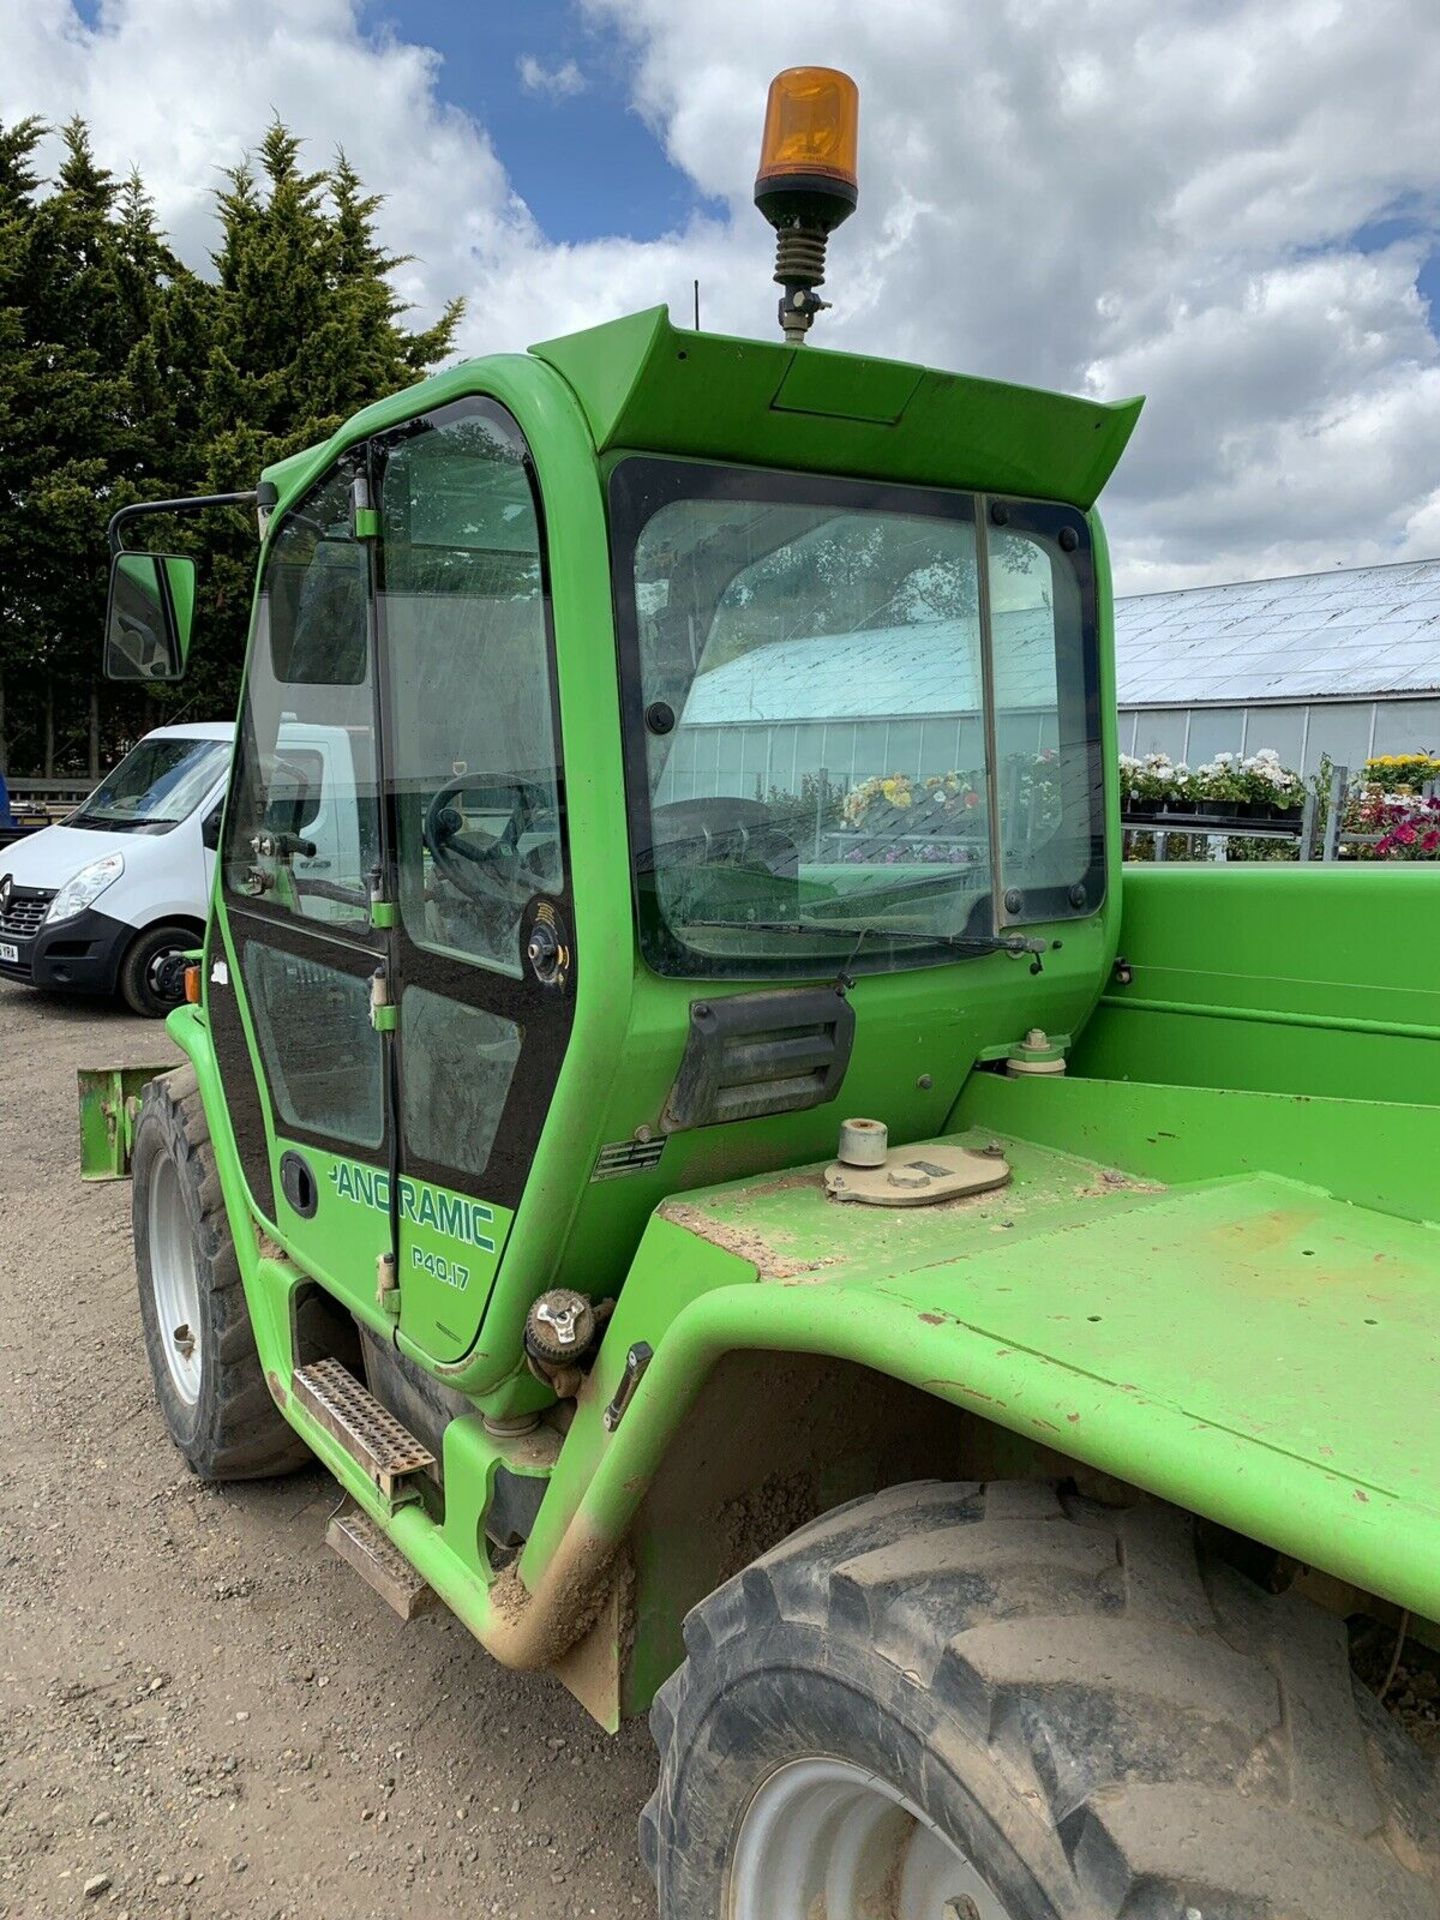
[918, 1176]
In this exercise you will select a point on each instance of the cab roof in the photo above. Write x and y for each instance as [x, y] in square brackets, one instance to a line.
[645, 385]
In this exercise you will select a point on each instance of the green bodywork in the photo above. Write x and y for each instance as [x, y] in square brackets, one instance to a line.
[1212, 1276]
[109, 1106]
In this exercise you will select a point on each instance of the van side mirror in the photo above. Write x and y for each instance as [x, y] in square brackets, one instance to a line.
[149, 616]
[210, 827]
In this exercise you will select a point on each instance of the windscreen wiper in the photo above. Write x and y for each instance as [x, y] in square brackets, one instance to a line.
[121, 823]
[1015, 943]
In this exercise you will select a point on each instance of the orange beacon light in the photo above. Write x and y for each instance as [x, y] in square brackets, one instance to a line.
[807, 183]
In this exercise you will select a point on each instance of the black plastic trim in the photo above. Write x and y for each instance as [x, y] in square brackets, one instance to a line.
[95, 968]
[298, 1183]
[760, 1053]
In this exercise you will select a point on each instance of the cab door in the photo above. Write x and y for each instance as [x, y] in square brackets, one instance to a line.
[484, 953]
[292, 975]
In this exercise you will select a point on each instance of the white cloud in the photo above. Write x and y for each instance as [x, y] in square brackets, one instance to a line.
[560, 83]
[1099, 195]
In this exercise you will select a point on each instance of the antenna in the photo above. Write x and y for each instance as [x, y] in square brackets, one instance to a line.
[697, 306]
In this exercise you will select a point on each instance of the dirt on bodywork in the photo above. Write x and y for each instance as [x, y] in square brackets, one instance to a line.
[200, 1705]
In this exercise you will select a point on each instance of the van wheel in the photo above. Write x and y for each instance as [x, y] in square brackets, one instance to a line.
[198, 1337]
[142, 978]
[1002, 1703]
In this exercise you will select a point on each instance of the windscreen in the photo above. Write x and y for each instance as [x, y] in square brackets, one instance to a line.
[817, 772]
[157, 785]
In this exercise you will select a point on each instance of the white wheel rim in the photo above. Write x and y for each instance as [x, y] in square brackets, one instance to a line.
[826, 1840]
[174, 1282]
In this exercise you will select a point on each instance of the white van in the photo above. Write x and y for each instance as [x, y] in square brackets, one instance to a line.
[101, 902]
[105, 898]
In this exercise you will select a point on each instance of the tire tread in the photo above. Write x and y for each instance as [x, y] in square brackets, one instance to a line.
[240, 1433]
[1192, 1741]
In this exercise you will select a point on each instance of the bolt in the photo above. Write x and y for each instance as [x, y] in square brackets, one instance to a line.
[925, 1083]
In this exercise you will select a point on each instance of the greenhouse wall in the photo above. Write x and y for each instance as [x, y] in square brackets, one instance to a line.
[1301, 732]
[752, 760]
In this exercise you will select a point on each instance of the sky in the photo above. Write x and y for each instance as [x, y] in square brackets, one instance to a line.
[1230, 206]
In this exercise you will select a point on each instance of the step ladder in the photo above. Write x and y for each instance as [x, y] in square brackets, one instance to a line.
[369, 1433]
[379, 1562]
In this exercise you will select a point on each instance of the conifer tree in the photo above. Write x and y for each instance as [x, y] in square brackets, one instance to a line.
[306, 330]
[124, 375]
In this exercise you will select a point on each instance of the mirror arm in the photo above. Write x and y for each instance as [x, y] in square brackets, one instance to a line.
[195, 503]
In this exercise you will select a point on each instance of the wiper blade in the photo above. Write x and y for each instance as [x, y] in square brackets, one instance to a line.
[120, 822]
[1016, 943]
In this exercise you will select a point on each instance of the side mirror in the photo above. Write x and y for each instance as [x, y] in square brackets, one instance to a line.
[210, 827]
[148, 619]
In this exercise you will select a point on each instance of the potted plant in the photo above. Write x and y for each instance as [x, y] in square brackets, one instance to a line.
[1273, 791]
[1153, 785]
[892, 816]
[1222, 788]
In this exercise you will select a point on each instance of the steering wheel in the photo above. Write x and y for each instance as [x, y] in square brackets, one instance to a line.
[486, 866]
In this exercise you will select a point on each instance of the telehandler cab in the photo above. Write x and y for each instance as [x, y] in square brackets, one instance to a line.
[759, 1215]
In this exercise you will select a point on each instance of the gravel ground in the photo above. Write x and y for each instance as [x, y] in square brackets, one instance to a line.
[203, 1712]
[204, 1715]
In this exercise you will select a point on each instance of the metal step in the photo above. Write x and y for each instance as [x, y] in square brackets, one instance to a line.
[373, 1437]
[357, 1539]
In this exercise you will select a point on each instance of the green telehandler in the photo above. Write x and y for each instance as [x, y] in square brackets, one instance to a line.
[687, 1120]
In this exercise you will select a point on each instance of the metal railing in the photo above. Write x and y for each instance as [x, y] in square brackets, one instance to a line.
[60, 792]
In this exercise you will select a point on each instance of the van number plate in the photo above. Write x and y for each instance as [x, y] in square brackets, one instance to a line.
[7, 952]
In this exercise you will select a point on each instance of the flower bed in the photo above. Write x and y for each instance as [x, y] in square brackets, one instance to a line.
[1403, 771]
[894, 819]
[942, 799]
[1408, 825]
[1257, 788]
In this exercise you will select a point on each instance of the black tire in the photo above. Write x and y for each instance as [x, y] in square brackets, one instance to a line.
[136, 980]
[1108, 1722]
[231, 1429]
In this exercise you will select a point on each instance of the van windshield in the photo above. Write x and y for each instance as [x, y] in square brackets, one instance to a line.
[158, 784]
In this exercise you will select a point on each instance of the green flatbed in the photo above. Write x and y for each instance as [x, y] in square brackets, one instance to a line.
[1283, 1308]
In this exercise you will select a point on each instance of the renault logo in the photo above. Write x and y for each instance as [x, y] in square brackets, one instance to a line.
[5, 887]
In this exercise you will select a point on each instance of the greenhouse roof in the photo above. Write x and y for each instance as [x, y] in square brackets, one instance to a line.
[1351, 633]
[1347, 634]
[912, 671]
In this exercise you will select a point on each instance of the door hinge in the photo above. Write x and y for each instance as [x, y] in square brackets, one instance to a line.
[383, 915]
[387, 1286]
[382, 1009]
[364, 519]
